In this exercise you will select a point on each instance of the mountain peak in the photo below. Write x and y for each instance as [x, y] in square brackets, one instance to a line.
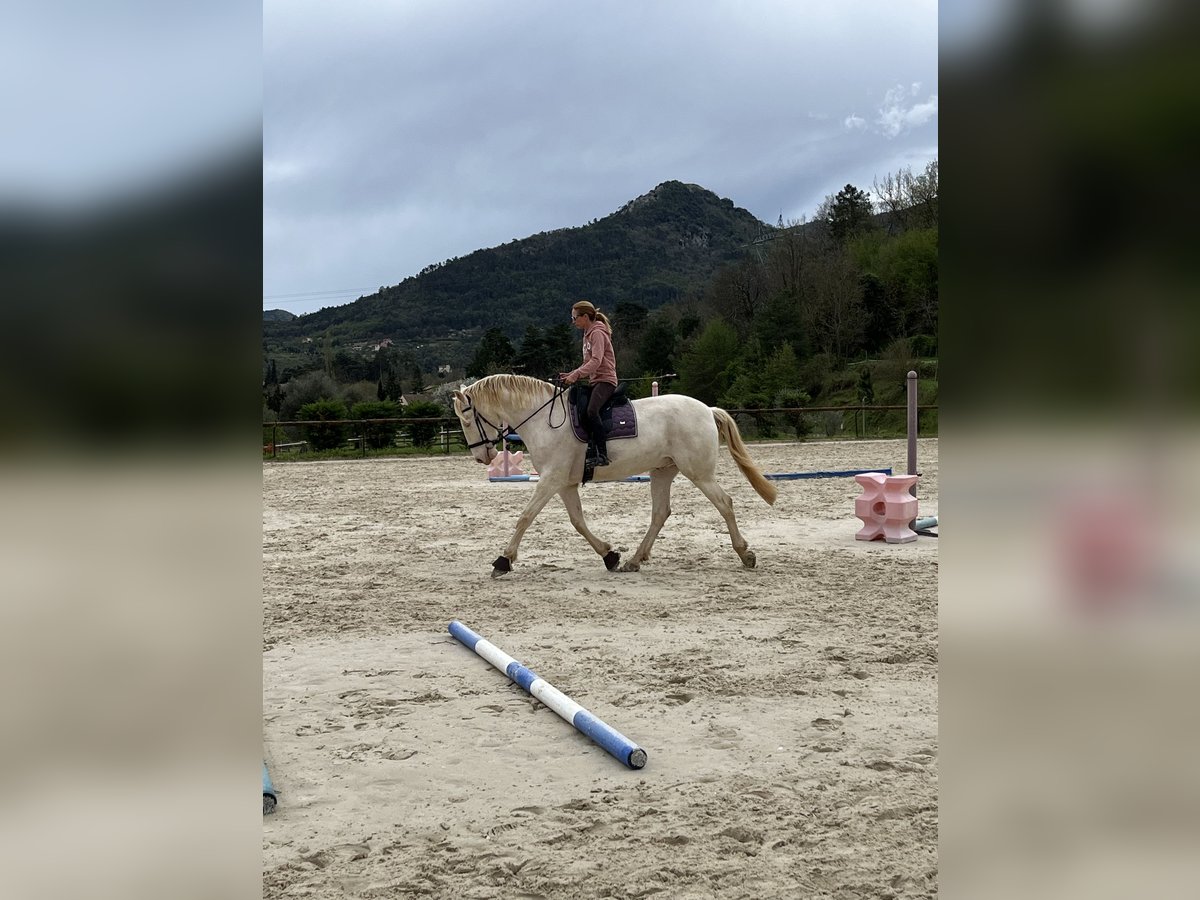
[666, 191]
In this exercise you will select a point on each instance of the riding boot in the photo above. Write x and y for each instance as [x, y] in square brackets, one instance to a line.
[601, 451]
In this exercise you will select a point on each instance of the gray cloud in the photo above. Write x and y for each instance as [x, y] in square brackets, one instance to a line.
[397, 135]
[900, 112]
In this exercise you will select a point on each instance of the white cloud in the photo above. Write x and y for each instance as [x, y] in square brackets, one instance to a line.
[277, 170]
[855, 122]
[896, 116]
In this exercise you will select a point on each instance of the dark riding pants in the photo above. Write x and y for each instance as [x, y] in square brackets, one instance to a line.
[601, 392]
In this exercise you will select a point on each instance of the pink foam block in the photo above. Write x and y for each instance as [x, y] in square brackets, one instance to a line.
[506, 463]
[886, 507]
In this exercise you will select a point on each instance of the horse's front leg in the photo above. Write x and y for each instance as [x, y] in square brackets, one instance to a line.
[544, 491]
[570, 499]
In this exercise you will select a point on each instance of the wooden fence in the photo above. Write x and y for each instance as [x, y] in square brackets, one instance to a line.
[442, 434]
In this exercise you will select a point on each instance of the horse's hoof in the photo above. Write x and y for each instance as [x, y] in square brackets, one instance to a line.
[612, 559]
[749, 559]
[631, 566]
[501, 566]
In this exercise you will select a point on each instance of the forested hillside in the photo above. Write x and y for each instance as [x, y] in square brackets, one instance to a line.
[654, 249]
[742, 314]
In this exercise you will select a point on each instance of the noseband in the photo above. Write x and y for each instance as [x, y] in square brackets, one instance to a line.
[480, 421]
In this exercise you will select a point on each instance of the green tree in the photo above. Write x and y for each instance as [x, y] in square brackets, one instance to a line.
[780, 372]
[533, 357]
[881, 319]
[349, 366]
[908, 267]
[781, 321]
[738, 292]
[656, 350]
[849, 213]
[703, 369]
[835, 313]
[306, 388]
[562, 348]
[495, 354]
[866, 390]
[628, 320]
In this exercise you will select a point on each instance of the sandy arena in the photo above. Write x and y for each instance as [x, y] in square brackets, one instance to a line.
[789, 712]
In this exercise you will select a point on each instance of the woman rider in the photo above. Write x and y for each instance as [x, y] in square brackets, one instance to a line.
[600, 369]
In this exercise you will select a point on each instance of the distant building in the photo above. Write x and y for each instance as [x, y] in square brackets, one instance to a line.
[443, 370]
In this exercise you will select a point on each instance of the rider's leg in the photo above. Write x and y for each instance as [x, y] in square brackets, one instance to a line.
[601, 393]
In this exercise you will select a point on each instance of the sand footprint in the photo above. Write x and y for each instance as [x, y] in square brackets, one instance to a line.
[342, 853]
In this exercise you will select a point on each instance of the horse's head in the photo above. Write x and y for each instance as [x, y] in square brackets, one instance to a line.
[481, 435]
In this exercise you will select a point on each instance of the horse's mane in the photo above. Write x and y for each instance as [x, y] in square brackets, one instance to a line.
[509, 391]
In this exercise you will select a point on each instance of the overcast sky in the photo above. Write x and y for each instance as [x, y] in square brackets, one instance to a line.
[399, 134]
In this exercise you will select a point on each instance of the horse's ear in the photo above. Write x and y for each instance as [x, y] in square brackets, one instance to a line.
[460, 397]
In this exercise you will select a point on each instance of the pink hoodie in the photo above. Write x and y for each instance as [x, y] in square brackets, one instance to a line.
[599, 360]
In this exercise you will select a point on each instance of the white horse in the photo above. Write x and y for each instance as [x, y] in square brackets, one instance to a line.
[674, 434]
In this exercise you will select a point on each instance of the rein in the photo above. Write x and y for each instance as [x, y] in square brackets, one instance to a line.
[508, 430]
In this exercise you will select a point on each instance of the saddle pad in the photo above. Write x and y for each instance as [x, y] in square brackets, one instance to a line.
[620, 421]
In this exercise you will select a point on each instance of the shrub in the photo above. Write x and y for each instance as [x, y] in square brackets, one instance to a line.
[324, 437]
[924, 345]
[423, 433]
[384, 433]
[794, 398]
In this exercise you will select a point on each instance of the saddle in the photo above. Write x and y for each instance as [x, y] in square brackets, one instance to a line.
[616, 415]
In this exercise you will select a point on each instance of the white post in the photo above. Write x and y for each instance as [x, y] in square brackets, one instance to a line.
[654, 389]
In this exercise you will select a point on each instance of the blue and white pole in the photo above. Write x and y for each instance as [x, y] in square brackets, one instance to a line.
[269, 797]
[609, 738]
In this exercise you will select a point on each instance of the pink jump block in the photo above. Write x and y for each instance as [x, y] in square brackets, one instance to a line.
[886, 507]
[507, 462]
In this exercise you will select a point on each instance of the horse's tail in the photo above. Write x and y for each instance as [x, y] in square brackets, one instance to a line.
[737, 449]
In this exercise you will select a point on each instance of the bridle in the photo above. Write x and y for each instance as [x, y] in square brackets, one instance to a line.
[504, 432]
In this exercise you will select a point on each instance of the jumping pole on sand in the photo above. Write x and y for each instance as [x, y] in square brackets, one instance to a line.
[610, 739]
[269, 798]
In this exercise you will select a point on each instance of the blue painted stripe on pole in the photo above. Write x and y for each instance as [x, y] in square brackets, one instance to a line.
[610, 739]
[269, 798]
[268, 788]
[523, 677]
[464, 634]
[607, 737]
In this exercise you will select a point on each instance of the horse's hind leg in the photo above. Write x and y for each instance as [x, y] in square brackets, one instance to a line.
[570, 499]
[724, 504]
[660, 509]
